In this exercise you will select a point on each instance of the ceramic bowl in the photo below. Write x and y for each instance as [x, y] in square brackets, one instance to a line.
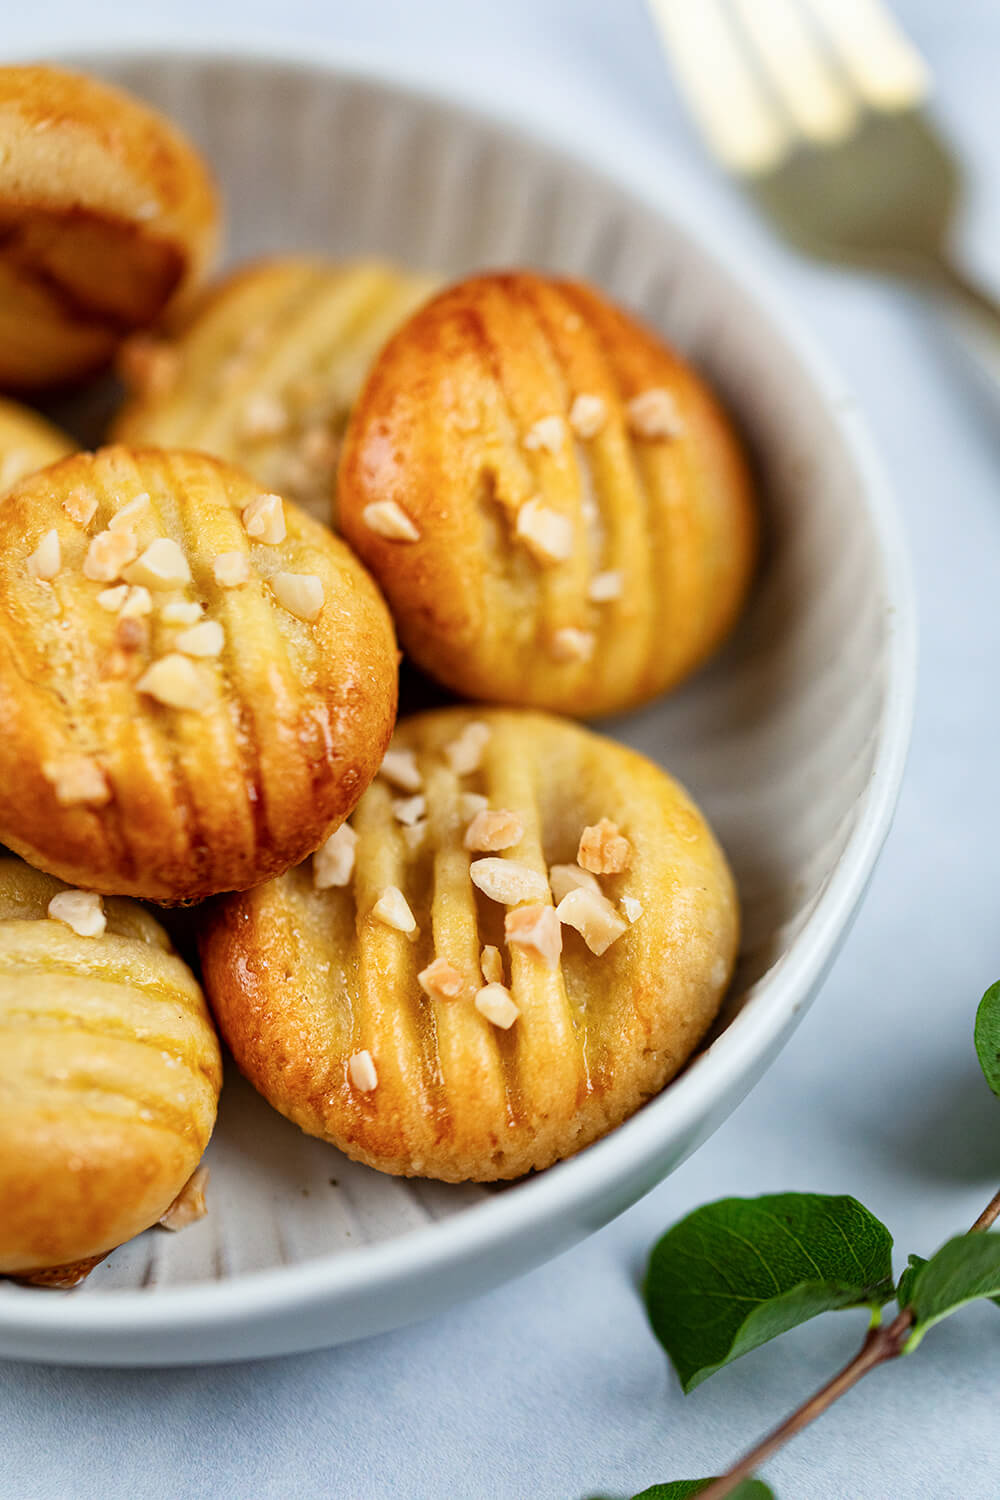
[793, 740]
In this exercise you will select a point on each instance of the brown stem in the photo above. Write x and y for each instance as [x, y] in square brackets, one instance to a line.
[881, 1344]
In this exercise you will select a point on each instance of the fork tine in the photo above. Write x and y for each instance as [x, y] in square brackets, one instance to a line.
[819, 103]
[738, 120]
[885, 67]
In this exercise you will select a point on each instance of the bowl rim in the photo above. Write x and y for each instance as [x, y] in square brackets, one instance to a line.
[784, 993]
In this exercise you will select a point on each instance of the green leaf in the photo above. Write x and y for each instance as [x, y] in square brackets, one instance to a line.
[988, 1036]
[750, 1489]
[962, 1271]
[739, 1272]
[905, 1289]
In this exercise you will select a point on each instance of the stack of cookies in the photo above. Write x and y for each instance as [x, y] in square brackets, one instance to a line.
[460, 946]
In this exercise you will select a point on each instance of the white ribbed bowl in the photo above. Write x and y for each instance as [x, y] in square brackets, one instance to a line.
[793, 741]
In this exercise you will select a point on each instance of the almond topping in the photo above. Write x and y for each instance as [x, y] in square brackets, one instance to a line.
[414, 834]
[361, 1071]
[654, 415]
[471, 803]
[109, 552]
[604, 850]
[465, 753]
[493, 830]
[491, 964]
[393, 909]
[570, 644]
[264, 416]
[333, 862]
[230, 569]
[441, 980]
[112, 599]
[80, 910]
[175, 681]
[409, 810]
[77, 778]
[566, 878]
[264, 519]
[587, 415]
[148, 364]
[131, 634]
[181, 612]
[189, 1205]
[632, 908]
[547, 433]
[300, 593]
[547, 535]
[508, 881]
[162, 565]
[537, 928]
[80, 508]
[594, 918]
[46, 560]
[206, 639]
[138, 601]
[606, 586]
[122, 519]
[390, 520]
[494, 1001]
[400, 767]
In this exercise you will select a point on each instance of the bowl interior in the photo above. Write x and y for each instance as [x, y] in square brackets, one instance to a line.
[777, 739]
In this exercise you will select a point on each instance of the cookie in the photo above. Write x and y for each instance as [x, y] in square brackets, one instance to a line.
[109, 1074]
[196, 680]
[266, 369]
[107, 213]
[556, 506]
[27, 443]
[521, 936]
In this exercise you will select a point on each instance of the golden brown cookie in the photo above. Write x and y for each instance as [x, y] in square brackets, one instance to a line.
[445, 990]
[555, 504]
[196, 680]
[107, 213]
[27, 443]
[109, 1073]
[267, 367]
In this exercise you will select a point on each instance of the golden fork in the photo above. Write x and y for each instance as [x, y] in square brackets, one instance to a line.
[817, 107]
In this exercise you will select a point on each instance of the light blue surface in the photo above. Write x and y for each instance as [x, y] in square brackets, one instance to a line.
[552, 1388]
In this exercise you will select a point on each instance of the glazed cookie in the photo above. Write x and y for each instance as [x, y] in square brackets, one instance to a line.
[267, 368]
[27, 443]
[521, 936]
[555, 504]
[109, 1074]
[196, 680]
[106, 214]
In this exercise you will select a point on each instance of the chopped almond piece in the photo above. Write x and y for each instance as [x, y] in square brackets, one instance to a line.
[471, 803]
[400, 767]
[393, 909]
[230, 569]
[333, 862]
[82, 911]
[654, 415]
[464, 754]
[112, 599]
[570, 644]
[587, 415]
[495, 1002]
[189, 1205]
[606, 586]
[176, 682]
[77, 778]
[138, 601]
[535, 927]
[632, 908]
[80, 508]
[547, 535]
[494, 829]
[361, 1071]
[414, 834]
[604, 850]
[264, 520]
[300, 593]
[319, 448]
[264, 416]
[108, 554]
[566, 878]
[491, 964]
[123, 519]
[441, 980]
[205, 639]
[46, 560]
[148, 364]
[594, 918]
[508, 881]
[390, 520]
[547, 434]
[162, 565]
[409, 810]
[131, 634]
[181, 612]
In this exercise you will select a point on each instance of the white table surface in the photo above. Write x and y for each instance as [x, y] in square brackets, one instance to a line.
[553, 1386]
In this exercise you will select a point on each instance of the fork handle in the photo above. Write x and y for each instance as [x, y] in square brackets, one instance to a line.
[974, 314]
